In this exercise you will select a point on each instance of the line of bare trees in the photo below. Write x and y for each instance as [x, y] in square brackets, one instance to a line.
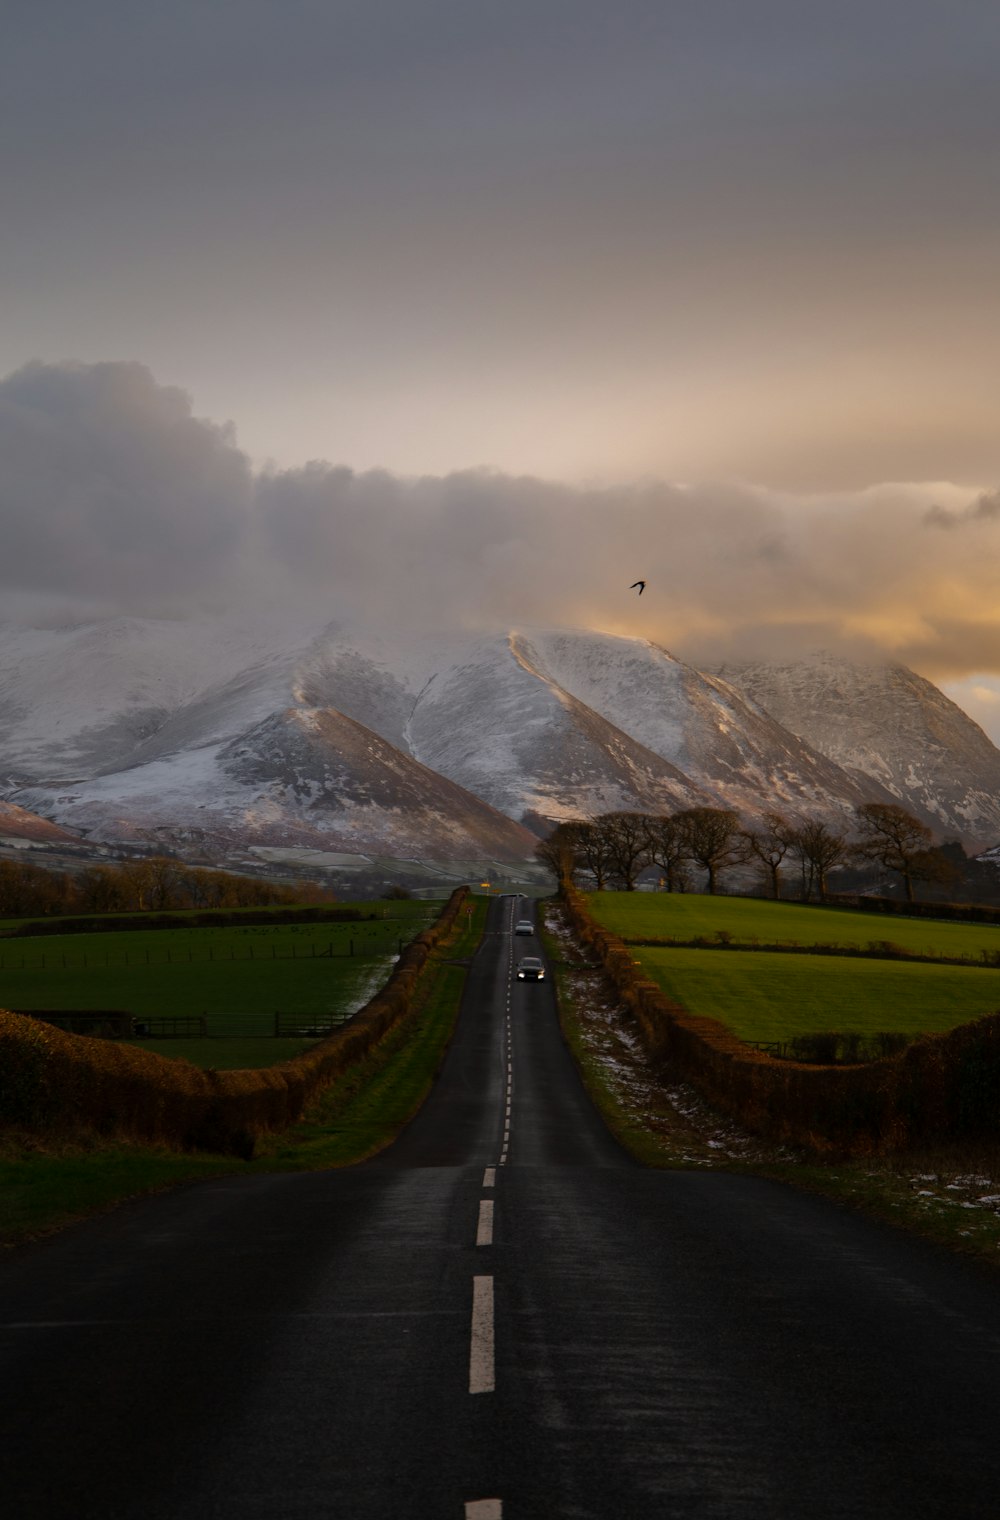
[614, 849]
[154, 884]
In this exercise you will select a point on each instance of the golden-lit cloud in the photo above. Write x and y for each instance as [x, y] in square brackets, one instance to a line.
[116, 495]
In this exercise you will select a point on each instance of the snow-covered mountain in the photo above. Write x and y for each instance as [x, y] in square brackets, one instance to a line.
[204, 736]
[698, 723]
[887, 725]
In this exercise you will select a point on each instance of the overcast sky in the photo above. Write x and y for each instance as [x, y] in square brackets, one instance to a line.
[702, 292]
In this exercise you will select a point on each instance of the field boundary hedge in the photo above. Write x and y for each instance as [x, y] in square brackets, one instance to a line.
[942, 1087]
[895, 907]
[214, 918]
[875, 950]
[52, 1082]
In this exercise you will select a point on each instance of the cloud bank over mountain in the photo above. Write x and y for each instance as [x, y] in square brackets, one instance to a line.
[115, 496]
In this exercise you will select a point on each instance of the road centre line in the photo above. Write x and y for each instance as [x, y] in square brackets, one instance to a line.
[490, 1177]
[484, 1229]
[482, 1376]
[484, 1509]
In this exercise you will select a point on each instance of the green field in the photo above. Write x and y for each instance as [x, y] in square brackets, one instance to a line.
[773, 996]
[239, 977]
[686, 916]
[765, 996]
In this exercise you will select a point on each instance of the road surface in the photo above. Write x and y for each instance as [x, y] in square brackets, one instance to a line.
[500, 1317]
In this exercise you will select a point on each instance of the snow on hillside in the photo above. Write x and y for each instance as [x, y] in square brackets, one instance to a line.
[887, 723]
[698, 723]
[492, 724]
[210, 730]
[79, 697]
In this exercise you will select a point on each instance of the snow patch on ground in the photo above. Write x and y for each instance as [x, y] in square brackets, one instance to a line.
[698, 1135]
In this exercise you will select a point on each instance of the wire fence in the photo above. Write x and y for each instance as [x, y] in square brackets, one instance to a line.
[119, 1024]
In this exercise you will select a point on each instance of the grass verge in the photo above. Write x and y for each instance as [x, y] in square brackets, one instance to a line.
[44, 1188]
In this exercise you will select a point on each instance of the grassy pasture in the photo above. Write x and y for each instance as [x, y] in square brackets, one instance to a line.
[672, 915]
[761, 995]
[764, 996]
[239, 976]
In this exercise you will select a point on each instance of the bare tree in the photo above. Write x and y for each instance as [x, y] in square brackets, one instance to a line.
[820, 849]
[594, 852]
[770, 842]
[668, 849]
[560, 850]
[896, 840]
[164, 883]
[27, 889]
[713, 839]
[627, 838]
[101, 890]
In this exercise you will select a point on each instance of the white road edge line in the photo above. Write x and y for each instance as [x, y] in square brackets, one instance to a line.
[484, 1229]
[482, 1377]
[484, 1509]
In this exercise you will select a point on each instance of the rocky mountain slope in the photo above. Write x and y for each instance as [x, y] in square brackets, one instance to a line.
[886, 725]
[199, 736]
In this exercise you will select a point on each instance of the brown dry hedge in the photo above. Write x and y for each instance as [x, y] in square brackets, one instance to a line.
[941, 1087]
[54, 1082]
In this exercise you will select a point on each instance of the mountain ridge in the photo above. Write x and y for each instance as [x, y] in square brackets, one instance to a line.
[454, 745]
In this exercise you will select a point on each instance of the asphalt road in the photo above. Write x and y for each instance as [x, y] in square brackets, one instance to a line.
[500, 1317]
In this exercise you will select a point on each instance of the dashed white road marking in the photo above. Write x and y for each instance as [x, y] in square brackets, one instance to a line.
[482, 1377]
[490, 1177]
[484, 1229]
[484, 1509]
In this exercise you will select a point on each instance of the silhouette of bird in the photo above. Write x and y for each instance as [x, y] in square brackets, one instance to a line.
[641, 585]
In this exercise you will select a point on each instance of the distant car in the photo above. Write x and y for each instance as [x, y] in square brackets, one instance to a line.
[524, 926]
[530, 969]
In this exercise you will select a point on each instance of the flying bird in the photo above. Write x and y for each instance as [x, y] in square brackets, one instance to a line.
[641, 585]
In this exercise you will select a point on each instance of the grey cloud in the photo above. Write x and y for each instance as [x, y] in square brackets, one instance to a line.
[985, 508]
[115, 496]
[111, 488]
